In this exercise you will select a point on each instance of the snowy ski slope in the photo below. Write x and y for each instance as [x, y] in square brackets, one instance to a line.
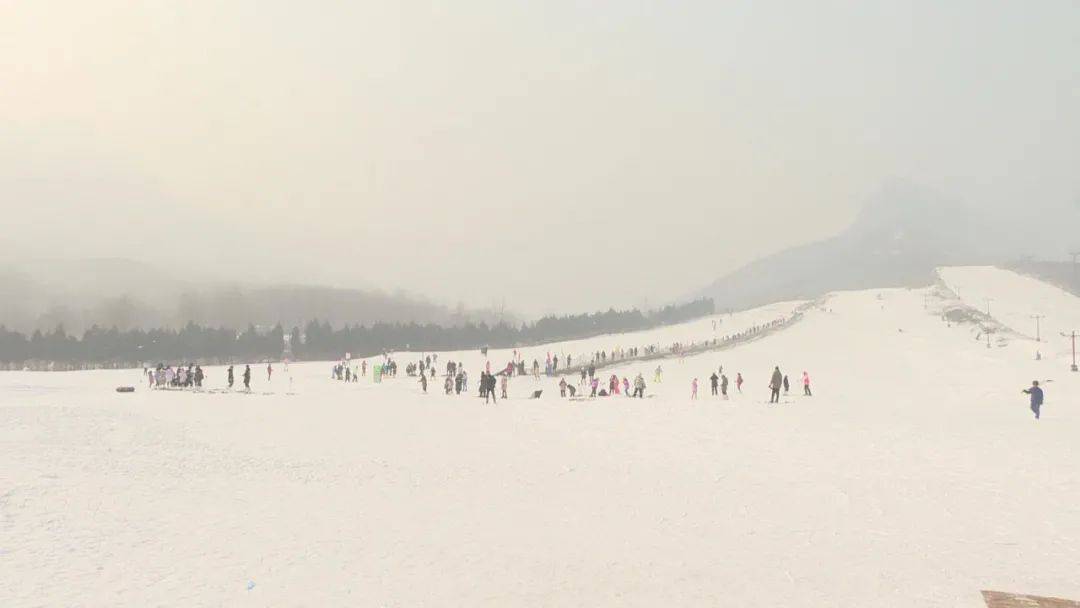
[916, 476]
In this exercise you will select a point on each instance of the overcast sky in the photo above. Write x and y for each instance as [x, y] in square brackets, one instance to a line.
[558, 155]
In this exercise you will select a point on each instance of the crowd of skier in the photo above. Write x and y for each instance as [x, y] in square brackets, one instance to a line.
[494, 382]
[191, 376]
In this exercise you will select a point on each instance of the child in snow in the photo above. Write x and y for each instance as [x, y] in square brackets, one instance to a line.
[693, 389]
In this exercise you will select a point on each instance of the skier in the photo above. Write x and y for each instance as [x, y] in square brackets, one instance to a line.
[503, 385]
[230, 376]
[723, 385]
[247, 378]
[787, 386]
[738, 382]
[269, 370]
[775, 383]
[1036, 397]
[693, 389]
[626, 386]
[714, 380]
[806, 384]
[562, 387]
[423, 383]
[199, 376]
[659, 375]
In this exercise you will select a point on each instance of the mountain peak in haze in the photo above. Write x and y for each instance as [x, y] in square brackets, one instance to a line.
[898, 238]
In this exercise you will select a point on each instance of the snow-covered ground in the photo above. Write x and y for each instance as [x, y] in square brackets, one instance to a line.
[916, 476]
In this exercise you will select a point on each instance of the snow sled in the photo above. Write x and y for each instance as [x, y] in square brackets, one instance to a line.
[536, 394]
[125, 389]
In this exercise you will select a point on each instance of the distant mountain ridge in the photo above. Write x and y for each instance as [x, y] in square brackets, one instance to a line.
[898, 239]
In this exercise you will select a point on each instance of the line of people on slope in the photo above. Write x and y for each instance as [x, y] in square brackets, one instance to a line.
[777, 382]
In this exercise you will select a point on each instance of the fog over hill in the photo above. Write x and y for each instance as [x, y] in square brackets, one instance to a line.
[128, 294]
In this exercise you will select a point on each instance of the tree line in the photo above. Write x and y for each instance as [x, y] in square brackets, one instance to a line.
[317, 340]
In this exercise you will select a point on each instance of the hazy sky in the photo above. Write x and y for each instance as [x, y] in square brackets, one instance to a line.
[561, 155]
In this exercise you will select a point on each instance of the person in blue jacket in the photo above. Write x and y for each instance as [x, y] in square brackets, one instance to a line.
[1036, 397]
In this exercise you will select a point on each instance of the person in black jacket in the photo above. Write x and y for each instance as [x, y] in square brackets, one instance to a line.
[775, 383]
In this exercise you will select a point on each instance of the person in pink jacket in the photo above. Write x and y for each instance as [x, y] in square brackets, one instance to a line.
[806, 384]
[693, 389]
